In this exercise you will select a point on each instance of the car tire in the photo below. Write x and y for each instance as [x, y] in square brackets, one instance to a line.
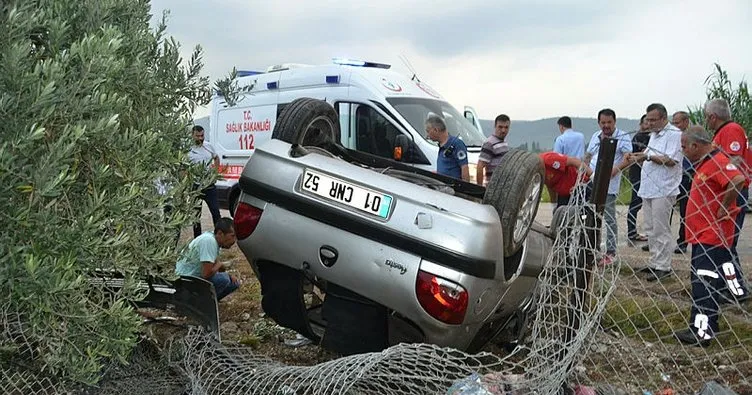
[564, 220]
[308, 122]
[514, 191]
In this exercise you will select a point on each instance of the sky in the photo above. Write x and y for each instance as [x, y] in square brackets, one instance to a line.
[530, 59]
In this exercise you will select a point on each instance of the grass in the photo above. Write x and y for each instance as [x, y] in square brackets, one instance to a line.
[653, 319]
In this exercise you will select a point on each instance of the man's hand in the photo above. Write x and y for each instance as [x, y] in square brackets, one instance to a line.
[465, 173]
[637, 157]
[480, 172]
[724, 214]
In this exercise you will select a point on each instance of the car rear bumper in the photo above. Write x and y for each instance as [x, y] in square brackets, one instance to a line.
[383, 274]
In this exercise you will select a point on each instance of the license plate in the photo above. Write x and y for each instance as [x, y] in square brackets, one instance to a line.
[357, 197]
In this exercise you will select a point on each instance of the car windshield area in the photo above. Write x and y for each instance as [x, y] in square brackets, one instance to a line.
[416, 111]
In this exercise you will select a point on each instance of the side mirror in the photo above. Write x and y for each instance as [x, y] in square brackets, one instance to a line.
[401, 149]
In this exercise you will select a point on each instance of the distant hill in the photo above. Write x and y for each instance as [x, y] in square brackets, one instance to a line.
[544, 131]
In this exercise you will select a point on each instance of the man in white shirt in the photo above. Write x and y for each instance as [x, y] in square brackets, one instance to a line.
[607, 122]
[204, 153]
[659, 186]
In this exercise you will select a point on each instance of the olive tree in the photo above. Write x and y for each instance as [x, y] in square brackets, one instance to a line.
[95, 108]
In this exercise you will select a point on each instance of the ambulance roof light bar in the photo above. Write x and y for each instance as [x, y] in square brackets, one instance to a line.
[359, 63]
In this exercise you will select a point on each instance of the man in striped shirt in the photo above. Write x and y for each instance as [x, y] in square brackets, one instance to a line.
[493, 150]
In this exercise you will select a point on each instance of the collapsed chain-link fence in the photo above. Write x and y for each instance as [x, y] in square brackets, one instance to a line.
[599, 324]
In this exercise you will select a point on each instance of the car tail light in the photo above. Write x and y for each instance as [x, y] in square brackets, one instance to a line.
[246, 219]
[442, 299]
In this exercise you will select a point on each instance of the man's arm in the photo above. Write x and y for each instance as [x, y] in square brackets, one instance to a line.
[215, 157]
[572, 161]
[465, 173]
[663, 160]
[208, 269]
[729, 196]
[623, 164]
[480, 172]
[552, 195]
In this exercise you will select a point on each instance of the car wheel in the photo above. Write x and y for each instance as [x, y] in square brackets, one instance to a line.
[514, 191]
[308, 122]
[563, 220]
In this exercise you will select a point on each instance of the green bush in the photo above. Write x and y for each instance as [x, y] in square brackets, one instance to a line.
[720, 86]
[94, 107]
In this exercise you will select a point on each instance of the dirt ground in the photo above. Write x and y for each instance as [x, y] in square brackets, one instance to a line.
[243, 322]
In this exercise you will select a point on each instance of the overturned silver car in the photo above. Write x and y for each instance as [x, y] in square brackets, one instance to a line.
[359, 252]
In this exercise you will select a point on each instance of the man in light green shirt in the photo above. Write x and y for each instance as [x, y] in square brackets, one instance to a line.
[200, 258]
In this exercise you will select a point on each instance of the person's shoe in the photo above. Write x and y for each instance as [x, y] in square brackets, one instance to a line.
[646, 247]
[645, 269]
[607, 260]
[638, 237]
[688, 336]
[656, 275]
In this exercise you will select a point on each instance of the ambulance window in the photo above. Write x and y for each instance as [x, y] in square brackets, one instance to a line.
[374, 133]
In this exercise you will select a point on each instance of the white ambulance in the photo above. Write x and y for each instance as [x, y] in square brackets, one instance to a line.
[376, 106]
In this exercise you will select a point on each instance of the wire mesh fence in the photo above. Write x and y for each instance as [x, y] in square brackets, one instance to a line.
[603, 322]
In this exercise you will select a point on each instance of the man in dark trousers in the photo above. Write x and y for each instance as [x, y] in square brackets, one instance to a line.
[639, 143]
[711, 211]
[680, 119]
[731, 138]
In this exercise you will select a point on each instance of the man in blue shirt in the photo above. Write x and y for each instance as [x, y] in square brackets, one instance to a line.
[570, 142]
[452, 160]
[607, 122]
[200, 258]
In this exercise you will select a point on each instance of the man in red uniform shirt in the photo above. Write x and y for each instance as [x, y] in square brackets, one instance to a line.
[731, 138]
[711, 211]
[561, 175]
